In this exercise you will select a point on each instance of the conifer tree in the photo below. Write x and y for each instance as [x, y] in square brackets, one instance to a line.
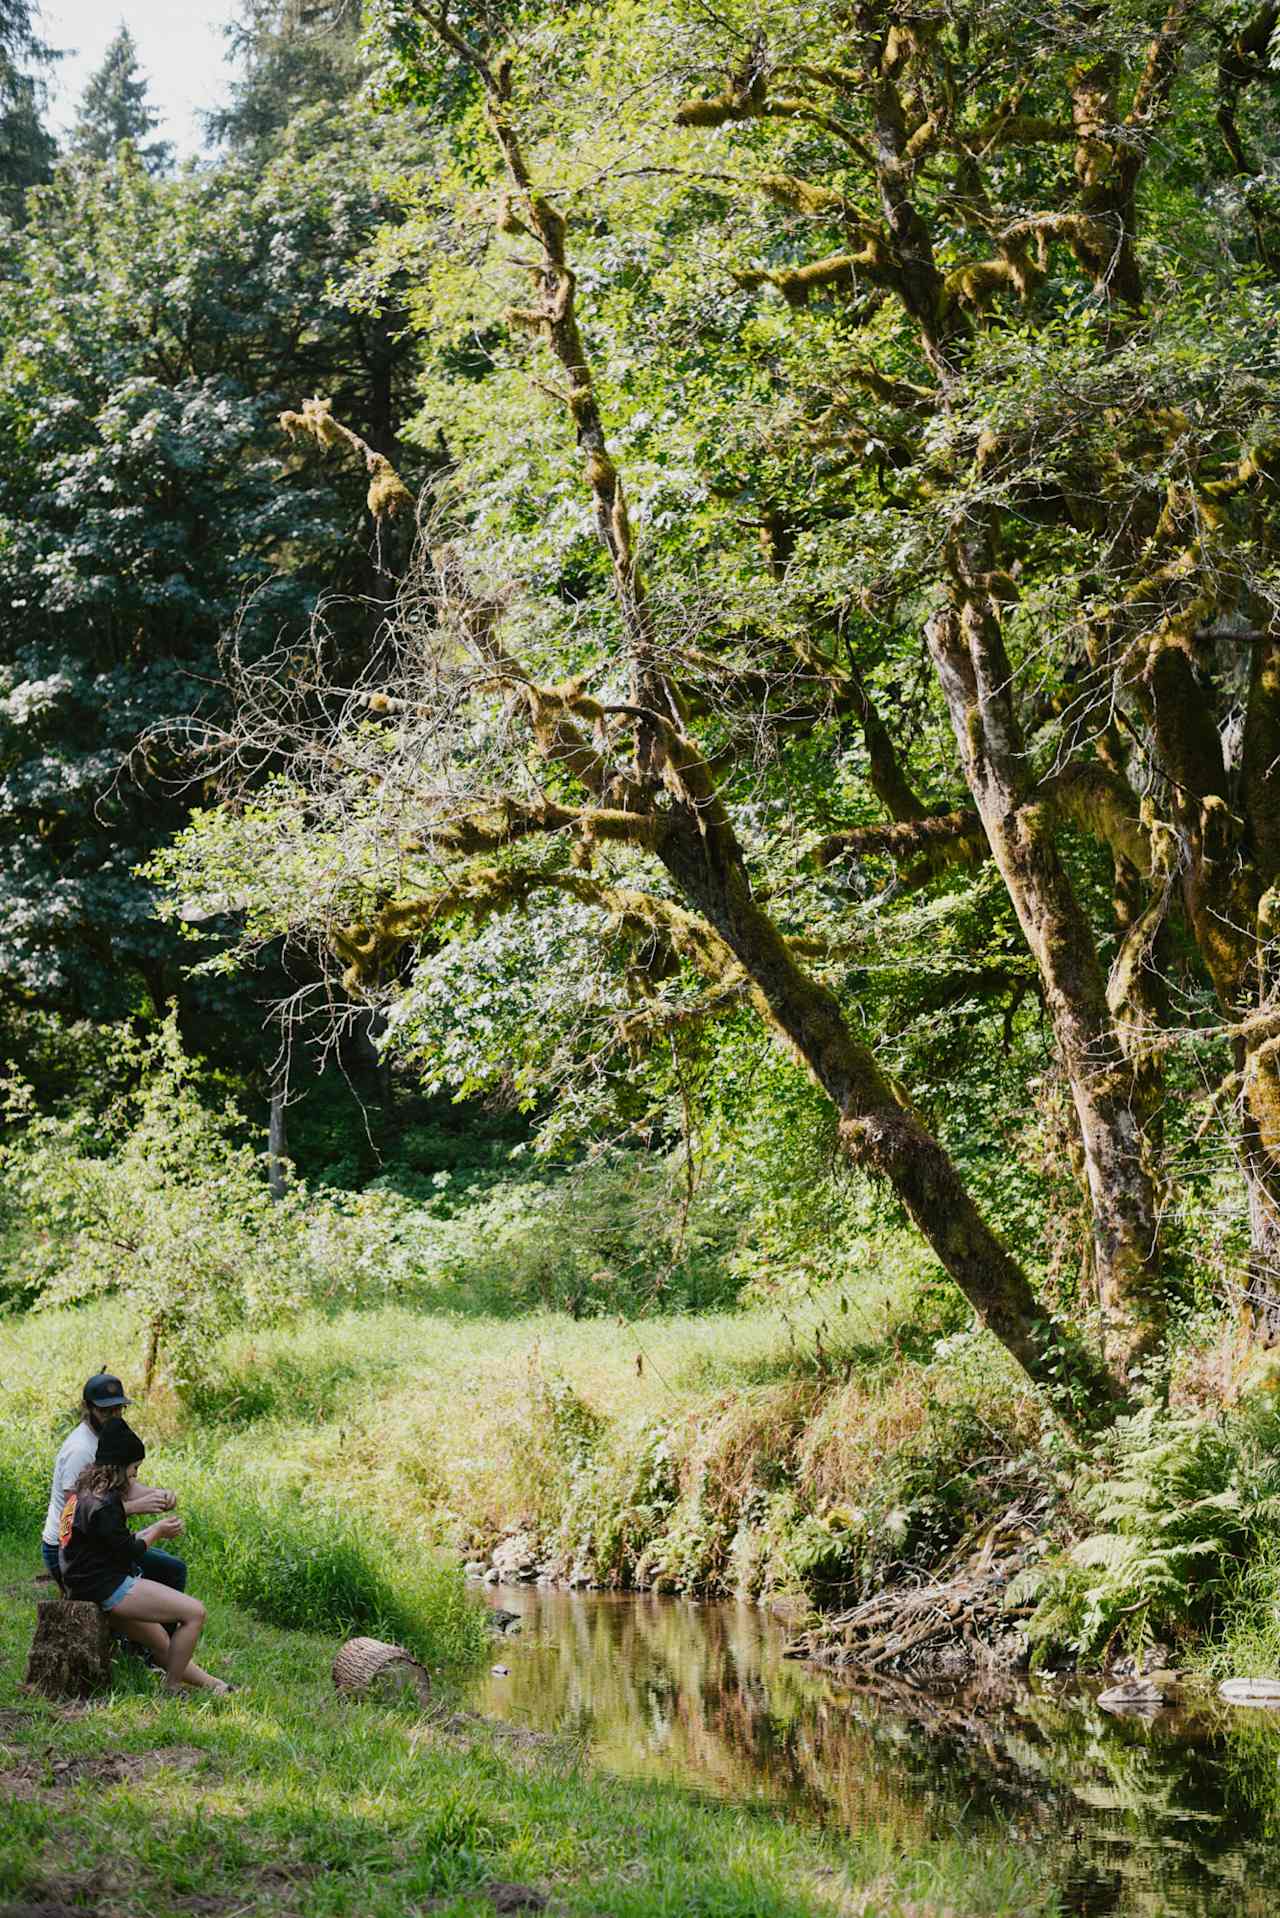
[115, 108]
[151, 332]
[26, 149]
[291, 54]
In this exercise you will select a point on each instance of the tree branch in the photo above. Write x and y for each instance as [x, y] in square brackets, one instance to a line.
[923, 848]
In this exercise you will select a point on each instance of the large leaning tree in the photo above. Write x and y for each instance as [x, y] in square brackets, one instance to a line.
[971, 366]
[1055, 232]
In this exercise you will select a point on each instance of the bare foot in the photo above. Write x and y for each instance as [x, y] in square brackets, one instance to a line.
[205, 1683]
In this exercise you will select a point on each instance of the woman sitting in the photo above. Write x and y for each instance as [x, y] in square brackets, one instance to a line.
[99, 1559]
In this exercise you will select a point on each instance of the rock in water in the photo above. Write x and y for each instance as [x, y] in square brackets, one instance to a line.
[367, 1666]
[1251, 1691]
[1137, 1695]
[1142, 1665]
[71, 1652]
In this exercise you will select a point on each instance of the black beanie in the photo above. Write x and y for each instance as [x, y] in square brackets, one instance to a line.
[119, 1444]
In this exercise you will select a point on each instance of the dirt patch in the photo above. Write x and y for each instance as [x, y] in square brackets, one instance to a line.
[71, 1895]
[91, 1894]
[503, 1898]
[289, 1874]
[82, 1890]
[45, 1909]
[46, 1779]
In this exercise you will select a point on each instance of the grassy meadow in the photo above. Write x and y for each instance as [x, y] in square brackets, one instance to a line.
[332, 1474]
[754, 1451]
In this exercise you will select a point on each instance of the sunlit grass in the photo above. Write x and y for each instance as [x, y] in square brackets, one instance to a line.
[423, 1431]
[300, 1803]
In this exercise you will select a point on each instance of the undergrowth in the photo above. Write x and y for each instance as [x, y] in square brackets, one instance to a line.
[776, 1449]
[1179, 1514]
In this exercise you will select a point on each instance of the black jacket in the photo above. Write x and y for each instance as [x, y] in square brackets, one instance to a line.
[96, 1549]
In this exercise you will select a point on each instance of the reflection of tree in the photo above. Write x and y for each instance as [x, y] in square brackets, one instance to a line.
[1120, 1811]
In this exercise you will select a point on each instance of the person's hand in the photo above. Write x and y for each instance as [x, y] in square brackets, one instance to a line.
[168, 1528]
[151, 1501]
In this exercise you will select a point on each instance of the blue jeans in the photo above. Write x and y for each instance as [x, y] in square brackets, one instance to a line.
[163, 1567]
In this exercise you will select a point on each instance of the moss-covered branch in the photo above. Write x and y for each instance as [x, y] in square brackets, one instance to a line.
[369, 948]
[388, 495]
[508, 820]
[922, 848]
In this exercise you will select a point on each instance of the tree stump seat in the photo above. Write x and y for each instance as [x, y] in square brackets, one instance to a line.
[71, 1652]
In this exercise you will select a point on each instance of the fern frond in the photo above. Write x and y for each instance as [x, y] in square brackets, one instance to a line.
[1109, 1551]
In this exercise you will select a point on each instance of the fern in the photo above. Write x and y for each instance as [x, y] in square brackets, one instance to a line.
[1178, 1503]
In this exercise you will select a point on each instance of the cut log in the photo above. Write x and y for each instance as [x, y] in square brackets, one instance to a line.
[71, 1652]
[367, 1667]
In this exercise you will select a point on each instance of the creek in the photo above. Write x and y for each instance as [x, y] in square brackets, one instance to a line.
[1174, 1817]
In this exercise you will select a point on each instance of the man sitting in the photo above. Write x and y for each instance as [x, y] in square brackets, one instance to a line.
[103, 1400]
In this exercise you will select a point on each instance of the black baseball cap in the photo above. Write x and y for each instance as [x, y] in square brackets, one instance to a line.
[104, 1392]
[120, 1445]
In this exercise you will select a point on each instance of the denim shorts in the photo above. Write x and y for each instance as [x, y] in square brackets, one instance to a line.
[122, 1591]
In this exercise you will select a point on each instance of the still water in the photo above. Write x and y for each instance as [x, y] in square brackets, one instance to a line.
[1172, 1818]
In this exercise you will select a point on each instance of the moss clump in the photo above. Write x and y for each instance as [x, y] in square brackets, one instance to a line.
[388, 496]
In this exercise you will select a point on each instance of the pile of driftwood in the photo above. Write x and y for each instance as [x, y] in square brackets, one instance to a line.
[950, 1625]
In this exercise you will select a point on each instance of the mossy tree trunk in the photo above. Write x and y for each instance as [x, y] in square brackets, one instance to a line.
[1228, 828]
[877, 1131]
[976, 678]
[899, 107]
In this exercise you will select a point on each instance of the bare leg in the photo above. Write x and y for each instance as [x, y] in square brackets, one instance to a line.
[181, 1648]
[154, 1637]
[159, 1644]
[150, 1604]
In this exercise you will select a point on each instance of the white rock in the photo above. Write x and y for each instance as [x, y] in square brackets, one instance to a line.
[1251, 1691]
[1137, 1695]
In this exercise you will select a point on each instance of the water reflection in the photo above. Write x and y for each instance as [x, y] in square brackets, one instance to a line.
[1168, 1819]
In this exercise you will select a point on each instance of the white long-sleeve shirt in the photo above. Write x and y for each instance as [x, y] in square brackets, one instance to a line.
[75, 1452]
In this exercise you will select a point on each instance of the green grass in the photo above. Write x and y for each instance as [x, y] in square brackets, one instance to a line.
[391, 1433]
[302, 1805]
[289, 1562]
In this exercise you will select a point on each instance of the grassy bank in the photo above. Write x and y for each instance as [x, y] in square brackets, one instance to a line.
[280, 1799]
[758, 1451]
[326, 1469]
